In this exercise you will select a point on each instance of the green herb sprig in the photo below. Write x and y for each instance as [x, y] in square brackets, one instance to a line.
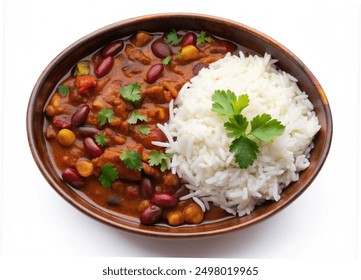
[244, 132]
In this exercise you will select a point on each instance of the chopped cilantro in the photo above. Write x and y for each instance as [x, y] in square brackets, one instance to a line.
[157, 158]
[172, 38]
[105, 115]
[131, 93]
[202, 38]
[262, 127]
[108, 176]
[101, 139]
[179, 55]
[167, 60]
[135, 116]
[131, 159]
[144, 129]
[64, 90]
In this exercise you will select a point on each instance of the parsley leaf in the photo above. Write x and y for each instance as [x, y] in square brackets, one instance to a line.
[144, 129]
[172, 38]
[245, 151]
[265, 128]
[131, 159]
[108, 176]
[135, 116]
[236, 126]
[64, 90]
[105, 115]
[167, 60]
[157, 158]
[100, 139]
[131, 93]
[202, 38]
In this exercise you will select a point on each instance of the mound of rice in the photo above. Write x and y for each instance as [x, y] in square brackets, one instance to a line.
[200, 147]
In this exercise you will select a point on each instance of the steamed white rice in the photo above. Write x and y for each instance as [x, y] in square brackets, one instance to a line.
[200, 147]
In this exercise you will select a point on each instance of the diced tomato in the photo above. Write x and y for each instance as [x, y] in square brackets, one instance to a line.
[85, 83]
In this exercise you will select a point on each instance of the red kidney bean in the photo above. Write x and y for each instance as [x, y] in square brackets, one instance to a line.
[154, 73]
[72, 177]
[88, 131]
[160, 49]
[189, 39]
[146, 188]
[229, 46]
[80, 115]
[92, 147]
[150, 215]
[164, 199]
[104, 66]
[60, 123]
[113, 48]
[198, 67]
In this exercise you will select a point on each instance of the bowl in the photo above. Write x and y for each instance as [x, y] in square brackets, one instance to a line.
[234, 31]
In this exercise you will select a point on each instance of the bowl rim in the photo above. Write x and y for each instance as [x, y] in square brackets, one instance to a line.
[148, 230]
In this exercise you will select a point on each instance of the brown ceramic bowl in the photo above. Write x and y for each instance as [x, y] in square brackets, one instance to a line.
[234, 31]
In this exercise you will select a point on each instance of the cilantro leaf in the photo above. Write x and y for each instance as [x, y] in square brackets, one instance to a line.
[64, 90]
[245, 151]
[144, 129]
[222, 102]
[240, 103]
[172, 38]
[131, 93]
[131, 159]
[105, 115]
[236, 126]
[265, 128]
[157, 158]
[202, 38]
[135, 116]
[108, 176]
[101, 139]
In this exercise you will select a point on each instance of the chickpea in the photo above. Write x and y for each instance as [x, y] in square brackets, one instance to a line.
[143, 205]
[50, 111]
[193, 214]
[175, 217]
[84, 168]
[66, 137]
[55, 100]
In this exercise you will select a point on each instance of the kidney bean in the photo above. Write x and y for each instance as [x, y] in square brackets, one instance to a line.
[88, 131]
[229, 46]
[60, 123]
[160, 49]
[146, 188]
[104, 66]
[198, 67]
[80, 115]
[92, 147]
[150, 215]
[72, 177]
[113, 48]
[154, 73]
[189, 39]
[164, 199]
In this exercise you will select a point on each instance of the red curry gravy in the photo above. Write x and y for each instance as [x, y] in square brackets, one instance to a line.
[102, 118]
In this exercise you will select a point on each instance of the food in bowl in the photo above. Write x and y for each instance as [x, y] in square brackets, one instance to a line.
[115, 137]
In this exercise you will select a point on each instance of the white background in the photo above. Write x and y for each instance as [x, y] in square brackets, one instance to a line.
[322, 224]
